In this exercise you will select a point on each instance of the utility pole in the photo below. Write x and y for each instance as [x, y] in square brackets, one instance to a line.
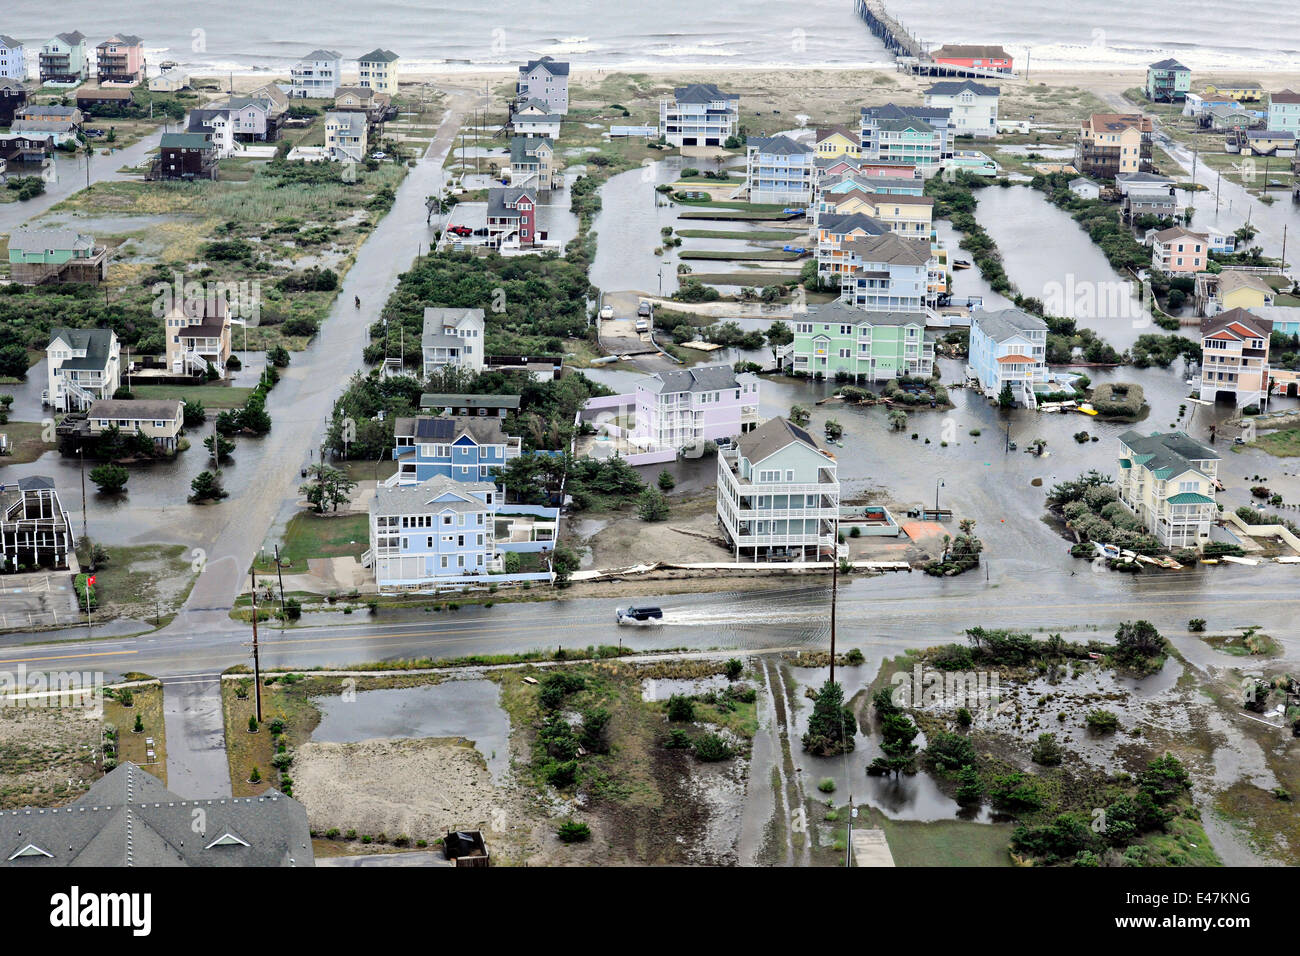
[279, 574]
[85, 535]
[257, 664]
[835, 580]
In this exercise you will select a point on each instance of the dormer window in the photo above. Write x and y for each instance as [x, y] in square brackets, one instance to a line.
[30, 849]
[226, 839]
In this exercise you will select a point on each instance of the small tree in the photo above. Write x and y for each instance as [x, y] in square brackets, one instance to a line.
[252, 723]
[666, 481]
[799, 415]
[327, 488]
[206, 486]
[223, 449]
[278, 357]
[255, 776]
[653, 505]
[1047, 751]
[834, 430]
[680, 708]
[832, 726]
[139, 724]
[573, 831]
[194, 413]
[969, 790]
[734, 668]
[1006, 398]
[109, 478]
[897, 420]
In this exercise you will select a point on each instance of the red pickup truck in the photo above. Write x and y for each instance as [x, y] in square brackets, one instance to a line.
[460, 230]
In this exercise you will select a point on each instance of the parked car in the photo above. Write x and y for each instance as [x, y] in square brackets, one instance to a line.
[460, 230]
[606, 311]
[643, 310]
[378, 155]
[638, 615]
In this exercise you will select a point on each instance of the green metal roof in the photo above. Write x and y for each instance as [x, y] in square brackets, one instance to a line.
[1190, 498]
[1125, 463]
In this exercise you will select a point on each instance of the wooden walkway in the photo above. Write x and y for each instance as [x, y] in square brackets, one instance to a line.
[890, 32]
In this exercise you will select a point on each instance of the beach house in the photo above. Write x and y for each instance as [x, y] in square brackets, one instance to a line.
[34, 531]
[532, 117]
[1268, 142]
[119, 60]
[833, 229]
[547, 80]
[161, 420]
[63, 60]
[778, 495]
[1179, 251]
[974, 56]
[972, 107]
[82, 366]
[437, 531]
[38, 256]
[198, 335]
[13, 97]
[377, 70]
[908, 216]
[698, 115]
[1114, 143]
[915, 136]
[1283, 112]
[1168, 482]
[887, 273]
[869, 346]
[778, 169]
[1234, 366]
[461, 447]
[317, 75]
[1168, 81]
[13, 61]
[459, 403]
[836, 142]
[512, 217]
[185, 156]
[346, 135]
[533, 164]
[1008, 348]
[1243, 91]
[452, 337]
[681, 408]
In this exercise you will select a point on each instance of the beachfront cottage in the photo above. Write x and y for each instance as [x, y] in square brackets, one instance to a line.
[159, 419]
[63, 60]
[119, 60]
[1085, 188]
[1008, 347]
[916, 136]
[13, 61]
[34, 530]
[974, 57]
[698, 115]
[1234, 366]
[377, 70]
[533, 117]
[1243, 91]
[172, 79]
[319, 75]
[547, 81]
[682, 408]
[870, 346]
[1114, 143]
[834, 229]
[887, 273]
[1168, 482]
[1168, 81]
[437, 531]
[778, 169]
[346, 136]
[83, 366]
[198, 335]
[114, 99]
[1268, 142]
[512, 218]
[1179, 251]
[1284, 112]
[973, 107]
[464, 448]
[778, 495]
[185, 156]
[533, 164]
[838, 142]
[452, 337]
[38, 256]
[908, 216]
[13, 97]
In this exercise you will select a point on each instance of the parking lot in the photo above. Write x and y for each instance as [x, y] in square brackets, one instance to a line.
[38, 599]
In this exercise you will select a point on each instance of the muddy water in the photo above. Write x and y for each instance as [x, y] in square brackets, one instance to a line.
[455, 708]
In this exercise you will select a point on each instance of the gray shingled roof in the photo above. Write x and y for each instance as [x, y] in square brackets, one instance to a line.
[1174, 451]
[1168, 64]
[770, 437]
[465, 400]
[891, 248]
[553, 67]
[353, 122]
[501, 198]
[447, 428]
[705, 378]
[779, 145]
[323, 55]
[9, 42]
[378, 56]
[97, 344]
[38, 240]
[128, 818]
[1004, 323]
[524, 148]
[953, 87]
[840, 311]
[143, 409]
[419, 499]
[73, 38]
[702, 93]
[841, 224]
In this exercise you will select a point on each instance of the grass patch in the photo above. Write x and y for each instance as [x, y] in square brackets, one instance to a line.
[25, 442]
[212, 396]
[145, 581]
[147, 702]
[1284, 443]
[310, 535]
[1247, 644]
[758, 278]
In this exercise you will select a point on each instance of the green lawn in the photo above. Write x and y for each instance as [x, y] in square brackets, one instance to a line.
[212, 396]
[25, 441]
[314, 536]
[1284, 443]
[754, 277]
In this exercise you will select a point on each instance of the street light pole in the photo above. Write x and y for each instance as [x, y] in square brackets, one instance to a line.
[938, 483]
[257, 666]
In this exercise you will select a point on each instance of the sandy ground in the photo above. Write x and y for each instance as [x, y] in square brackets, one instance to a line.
[45, 754]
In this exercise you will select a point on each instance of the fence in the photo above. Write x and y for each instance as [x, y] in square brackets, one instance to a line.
[1266, 531]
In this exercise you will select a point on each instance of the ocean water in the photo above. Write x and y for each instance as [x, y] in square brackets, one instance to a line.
[434, 35]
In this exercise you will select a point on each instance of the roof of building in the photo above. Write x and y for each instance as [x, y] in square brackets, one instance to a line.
[1168, 454]
[703, 378]
[771, 436]
[523, 148]
[1082, 181]
[839, 311]
[953, 87]
[46, 126]
[462, 400]
[882, 199]
[9, 42]
[1238, 322]
[1115, 122]
[826, 132]
[139, 409]
[243, 102]
[1003, 324]
[553, 67]
[1230, 280]
[1284, 96]
[378, 56]
[422, 498]
[1235, 85]
[119, 39]
[128, 818]
[46, 109]
[778, 145]
[38, 240]
[104, 93]
[72, 39]
[437, 318]
[891, 248]
[1169, 64]
[501, 200]
[353, 122]
[702, 93]
[1269, 134]
[1190, 498]
[1180, 232]
[1138, 178]
[186, 141]
[843, 223]
[972, 50]
[447, 428]
[323, 55]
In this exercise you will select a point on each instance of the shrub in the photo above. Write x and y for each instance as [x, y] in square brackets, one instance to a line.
[1046, 750]
[666, 481]
[711, 748]
[252, 723]
[573, 831]
[678, 739]
[734, 668]
[827, 785]
[1102, 721]
[680, 708]
[1196, 624]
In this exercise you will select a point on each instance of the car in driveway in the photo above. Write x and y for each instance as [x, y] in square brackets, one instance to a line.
[460, 230]
[606, 311]
[643, 310]
[639, 615]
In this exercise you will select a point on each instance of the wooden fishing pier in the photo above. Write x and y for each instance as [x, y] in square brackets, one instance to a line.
[908, 49]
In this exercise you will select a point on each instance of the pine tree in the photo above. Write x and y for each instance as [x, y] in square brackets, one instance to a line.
[832, 726]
